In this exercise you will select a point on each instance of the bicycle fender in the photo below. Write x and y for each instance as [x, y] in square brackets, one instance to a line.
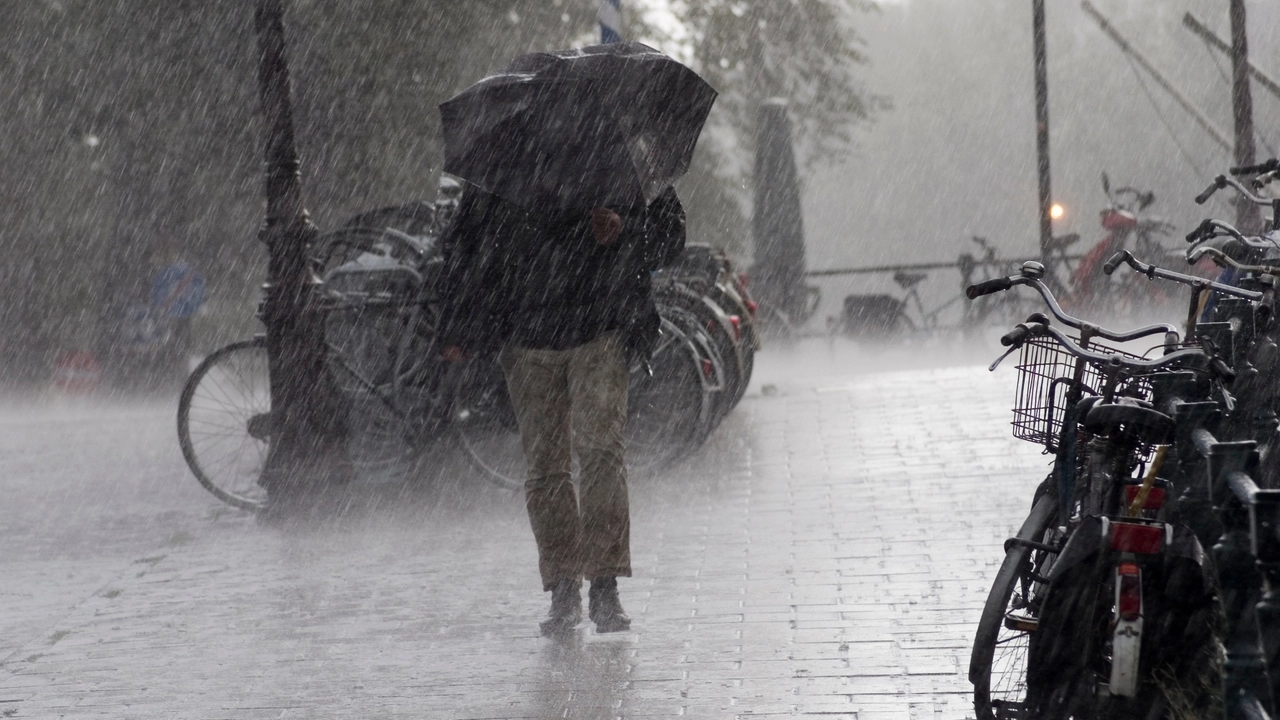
[1082, 546]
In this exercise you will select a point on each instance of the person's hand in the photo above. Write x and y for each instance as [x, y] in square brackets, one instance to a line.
[453, 354]
[606, 226]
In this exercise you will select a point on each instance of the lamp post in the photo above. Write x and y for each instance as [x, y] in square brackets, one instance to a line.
[1042, 126]
[301, 448]
[1248, 218]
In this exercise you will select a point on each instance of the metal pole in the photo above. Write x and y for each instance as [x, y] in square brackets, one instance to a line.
[1248, 218]
[1142, 61]
[300, 436]
[1202, 31]
[1042, 127]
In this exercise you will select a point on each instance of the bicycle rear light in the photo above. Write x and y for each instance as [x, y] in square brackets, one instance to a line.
[752, 306]
[1136, 537]
[708, 369]
[1129, 594]
[736, 322]
[1155, 498]
[742, 280]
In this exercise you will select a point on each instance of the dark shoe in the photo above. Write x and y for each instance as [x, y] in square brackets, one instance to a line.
[566, 609]
[605, 608]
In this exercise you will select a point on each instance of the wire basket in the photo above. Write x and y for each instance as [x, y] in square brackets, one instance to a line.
[1045, 371]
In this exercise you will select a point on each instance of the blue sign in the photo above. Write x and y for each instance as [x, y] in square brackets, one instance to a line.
[141, 331]
[610, 18]
[177, 291]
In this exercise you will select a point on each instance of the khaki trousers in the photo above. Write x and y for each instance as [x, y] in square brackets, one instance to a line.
[567, 401]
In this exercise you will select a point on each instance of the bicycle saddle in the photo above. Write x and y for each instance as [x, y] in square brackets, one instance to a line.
[907, 280]
[1133, 417]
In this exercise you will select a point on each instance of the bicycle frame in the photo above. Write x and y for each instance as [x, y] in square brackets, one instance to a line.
[1098, 512]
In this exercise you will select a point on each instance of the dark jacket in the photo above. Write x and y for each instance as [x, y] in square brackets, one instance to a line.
[541, 281]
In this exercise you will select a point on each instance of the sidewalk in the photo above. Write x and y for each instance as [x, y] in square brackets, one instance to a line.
[827, 555]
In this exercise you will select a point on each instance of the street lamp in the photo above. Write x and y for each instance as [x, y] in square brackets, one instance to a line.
[302, 450]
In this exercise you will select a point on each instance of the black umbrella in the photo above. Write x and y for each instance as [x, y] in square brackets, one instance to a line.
[611, 125]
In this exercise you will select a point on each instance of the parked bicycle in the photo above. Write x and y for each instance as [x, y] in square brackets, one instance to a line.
[400, 400]
[1107, 604]
[1127, 226]
[1062, 633]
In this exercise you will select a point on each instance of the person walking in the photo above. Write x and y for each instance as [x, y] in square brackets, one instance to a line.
[565, 298]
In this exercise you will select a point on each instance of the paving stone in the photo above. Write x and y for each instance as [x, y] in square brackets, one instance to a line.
[826, 556]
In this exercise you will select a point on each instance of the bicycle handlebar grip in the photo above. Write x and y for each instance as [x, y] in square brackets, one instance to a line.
[1203, 197]
[1263, 167]
[1116, 261]
[1016, 336]
[1205, 227]
[986, 287]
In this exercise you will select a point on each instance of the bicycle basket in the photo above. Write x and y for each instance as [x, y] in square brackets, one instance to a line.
[1045, 370]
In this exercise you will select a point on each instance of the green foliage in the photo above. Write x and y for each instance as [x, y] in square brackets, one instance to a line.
[132, 132]
[806, 51]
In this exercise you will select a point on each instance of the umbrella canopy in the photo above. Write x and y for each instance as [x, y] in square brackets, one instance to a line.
[606, 125]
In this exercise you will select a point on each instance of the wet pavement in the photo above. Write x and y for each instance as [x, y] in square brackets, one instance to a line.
[826, 555]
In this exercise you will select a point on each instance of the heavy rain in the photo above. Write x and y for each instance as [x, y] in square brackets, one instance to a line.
[862, 359]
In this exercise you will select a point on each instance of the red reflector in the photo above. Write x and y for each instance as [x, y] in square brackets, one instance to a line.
[736, 322]
[1130, 596]
[1135, 538]
[707, 368]
[751, 306]
[742, 280]
[1155, 498]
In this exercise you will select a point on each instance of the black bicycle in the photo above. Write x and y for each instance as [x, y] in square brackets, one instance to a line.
[1062, 632]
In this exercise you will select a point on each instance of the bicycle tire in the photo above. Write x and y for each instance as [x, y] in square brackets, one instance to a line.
[710, 365]
[727, 341]
[226, 406]
[1179, 657]
[344, 244]
[666, 409]
[483, 425]
[1000, 679]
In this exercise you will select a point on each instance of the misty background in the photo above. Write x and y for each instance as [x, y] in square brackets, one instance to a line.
[956, 155]
[130, 131]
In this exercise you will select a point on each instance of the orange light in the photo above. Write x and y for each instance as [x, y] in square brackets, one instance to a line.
[1056, 211]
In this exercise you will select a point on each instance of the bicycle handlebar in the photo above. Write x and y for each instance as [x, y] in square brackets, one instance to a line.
[1030, 277]
[1222, 181]
[1124, 257]
[1225, 258]
[1099, 358]
[987, 287]
[1204, 228]
[1211, 228]
[1203, 197]
[1110, 265]
[1264, 167]
[1218, 247]
[1016, 336]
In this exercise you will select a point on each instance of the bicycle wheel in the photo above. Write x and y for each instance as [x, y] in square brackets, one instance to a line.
[710, 367]
[224, 422]
[714, 321]
[998, 664]
[666, 407]
[483, 424]
[1178, 672]
[666, 412]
